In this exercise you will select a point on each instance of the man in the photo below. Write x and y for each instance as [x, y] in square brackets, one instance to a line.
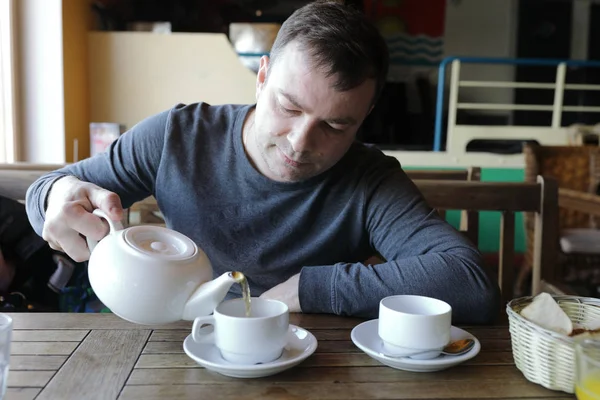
[280, 190]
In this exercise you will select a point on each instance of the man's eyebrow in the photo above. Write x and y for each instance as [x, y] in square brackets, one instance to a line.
[291, 99]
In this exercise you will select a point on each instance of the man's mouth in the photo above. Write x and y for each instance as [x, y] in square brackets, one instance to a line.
[290, 161]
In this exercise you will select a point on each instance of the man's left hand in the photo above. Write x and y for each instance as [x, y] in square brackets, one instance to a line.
[286, 292]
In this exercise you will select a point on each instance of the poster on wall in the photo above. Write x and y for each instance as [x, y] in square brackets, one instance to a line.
[413, 30]
[414, 33]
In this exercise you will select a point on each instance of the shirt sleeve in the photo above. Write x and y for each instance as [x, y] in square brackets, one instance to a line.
[424, 256]
[128, 167]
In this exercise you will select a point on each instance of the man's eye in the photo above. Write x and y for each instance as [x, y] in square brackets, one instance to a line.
[334, 130]
[286, 110]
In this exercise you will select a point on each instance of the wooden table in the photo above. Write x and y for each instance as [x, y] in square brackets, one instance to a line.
[100, 356]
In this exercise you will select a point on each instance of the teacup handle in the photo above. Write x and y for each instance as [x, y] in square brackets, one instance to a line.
[114, 227]
[197, 331]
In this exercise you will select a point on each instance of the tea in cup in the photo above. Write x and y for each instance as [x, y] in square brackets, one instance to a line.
[410, 324]
[259, 338]
[587, 384]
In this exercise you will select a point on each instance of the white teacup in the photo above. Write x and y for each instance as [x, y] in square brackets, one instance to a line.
[259, 338]
[410, 324]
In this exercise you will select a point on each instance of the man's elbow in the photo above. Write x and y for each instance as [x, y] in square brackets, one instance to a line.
[488, 305]
[485, 299]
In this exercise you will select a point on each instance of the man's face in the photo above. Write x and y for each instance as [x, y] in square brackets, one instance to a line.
[302, 125]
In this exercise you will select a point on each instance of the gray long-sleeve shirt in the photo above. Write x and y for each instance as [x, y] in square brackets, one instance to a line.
[191, 158]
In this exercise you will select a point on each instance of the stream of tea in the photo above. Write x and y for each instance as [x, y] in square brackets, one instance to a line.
[241, 279]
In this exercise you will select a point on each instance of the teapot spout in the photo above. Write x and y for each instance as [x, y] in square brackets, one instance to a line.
[207, 296]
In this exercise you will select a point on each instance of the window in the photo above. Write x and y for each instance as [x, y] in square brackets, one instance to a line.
[8, 114]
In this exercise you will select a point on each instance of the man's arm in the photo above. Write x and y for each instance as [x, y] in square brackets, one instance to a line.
[128, 168]
[425, 256]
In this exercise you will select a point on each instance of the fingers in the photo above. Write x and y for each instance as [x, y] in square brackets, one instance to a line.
[80, 221]
[75, 246]
[69, 219]
[105, 200]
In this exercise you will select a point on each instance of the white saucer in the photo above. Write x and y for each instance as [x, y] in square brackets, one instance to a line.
[365, 337]
[301, 344]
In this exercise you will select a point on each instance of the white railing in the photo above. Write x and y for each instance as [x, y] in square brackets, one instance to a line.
[459, 136]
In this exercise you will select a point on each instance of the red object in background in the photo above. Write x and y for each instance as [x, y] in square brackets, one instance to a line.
[421, 17]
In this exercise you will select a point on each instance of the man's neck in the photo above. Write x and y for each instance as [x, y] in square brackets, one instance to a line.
[247, 132]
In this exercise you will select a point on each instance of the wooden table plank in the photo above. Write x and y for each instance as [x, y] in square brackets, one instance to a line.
[325, 346]
[83, 321]
[178, 335]
[32, 379]
[165, 376]
[36, 363]
[86, 321]
[99, 367]
[242, 390]
[181, 360]
[62, 335]
[21, 393]
[43, 348]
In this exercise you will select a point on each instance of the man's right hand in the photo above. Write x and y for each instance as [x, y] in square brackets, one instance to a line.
[69, 217]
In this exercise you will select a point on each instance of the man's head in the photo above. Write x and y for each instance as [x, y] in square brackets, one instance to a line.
[327, 67]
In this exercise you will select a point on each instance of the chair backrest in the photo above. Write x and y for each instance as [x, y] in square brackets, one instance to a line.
[469, 220]
[573, 167]
[539, 198]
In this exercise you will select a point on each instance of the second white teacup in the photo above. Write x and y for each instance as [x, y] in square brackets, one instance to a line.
[409, 324]
[259, 338]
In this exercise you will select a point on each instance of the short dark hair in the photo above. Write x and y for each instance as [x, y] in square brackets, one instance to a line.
[340, 40]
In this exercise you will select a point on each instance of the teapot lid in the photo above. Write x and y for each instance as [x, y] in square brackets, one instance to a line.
[160, 242]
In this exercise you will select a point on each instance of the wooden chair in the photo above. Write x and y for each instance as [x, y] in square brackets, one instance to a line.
[577, 172]
[540, 198]
[469, 220]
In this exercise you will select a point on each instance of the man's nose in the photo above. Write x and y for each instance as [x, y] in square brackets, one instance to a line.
[303, 136]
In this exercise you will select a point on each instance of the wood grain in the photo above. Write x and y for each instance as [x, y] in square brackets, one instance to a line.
[36, 363]
[45, 348]
[83, 321]
[177, 335]
[327, 346]
[506, 253]
[56, 335]
[382, 374]
[359, 359]
[575, 200]
[103, 361]
[242, 390]
[37, 379]
[21, 393]
[489, 196]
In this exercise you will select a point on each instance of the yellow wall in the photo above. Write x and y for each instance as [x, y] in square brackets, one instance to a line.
[77, 21]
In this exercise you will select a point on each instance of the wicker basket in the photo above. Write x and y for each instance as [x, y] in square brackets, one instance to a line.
[545, 357]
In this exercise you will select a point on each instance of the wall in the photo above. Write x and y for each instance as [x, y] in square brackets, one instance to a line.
[40, 74]
[134, 75]
[485, 28]
[77, 21]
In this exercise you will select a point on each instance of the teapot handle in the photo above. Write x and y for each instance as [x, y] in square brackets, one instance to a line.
[114, 227]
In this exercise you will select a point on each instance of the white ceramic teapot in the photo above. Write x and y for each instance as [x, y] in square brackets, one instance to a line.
[154, 275]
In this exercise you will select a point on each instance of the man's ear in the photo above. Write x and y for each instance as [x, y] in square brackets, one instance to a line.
[261, 76]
